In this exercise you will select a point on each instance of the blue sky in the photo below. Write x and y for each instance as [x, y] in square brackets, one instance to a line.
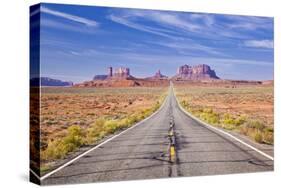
[78, 42]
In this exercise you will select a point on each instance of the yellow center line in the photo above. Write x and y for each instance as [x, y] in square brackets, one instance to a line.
[172, 153]
[171, 133]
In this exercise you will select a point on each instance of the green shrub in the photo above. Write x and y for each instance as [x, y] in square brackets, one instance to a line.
[132, 119]
[185, 104]
[258, 137]
[156, 106]
[213, 119]
[229, 127]
[230, 120]
[60, 147]
[255, 124]
[111, 126]
[209, 116]
[268, 137]
[52, 151]
[92, 135]
[96, 131]
[146, 112]
[73, 139]
[123, 123]
[240, 120]
[208, 110]
[140, 117]
[269, 129]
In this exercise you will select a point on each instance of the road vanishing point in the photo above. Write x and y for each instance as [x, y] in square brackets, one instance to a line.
[170, 143]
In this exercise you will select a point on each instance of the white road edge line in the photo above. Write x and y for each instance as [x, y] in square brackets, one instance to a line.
[36, 175]
[223, 132]
[97, 146]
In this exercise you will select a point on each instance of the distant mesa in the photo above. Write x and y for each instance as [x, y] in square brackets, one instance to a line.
[46, 81]
[158, 76]
[198, 72]
[185, 72]
[118, 73]
[100, 77]
[121, 77]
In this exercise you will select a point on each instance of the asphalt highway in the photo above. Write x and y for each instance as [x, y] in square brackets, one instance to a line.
[168, 144]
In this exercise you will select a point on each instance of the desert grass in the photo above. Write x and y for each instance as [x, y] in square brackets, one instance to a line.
[75, 117]
[246, 109]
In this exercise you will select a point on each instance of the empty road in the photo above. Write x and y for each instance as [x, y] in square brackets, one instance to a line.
[169, 144]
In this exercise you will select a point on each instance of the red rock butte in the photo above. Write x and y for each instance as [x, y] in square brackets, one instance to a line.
[118, 73]
[198, 72]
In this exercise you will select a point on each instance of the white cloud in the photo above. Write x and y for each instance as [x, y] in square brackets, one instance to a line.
[249, 23]
[65, 26]
[140, 27]
[170, 21]
[70, 17]
[186, 25]
[259, 43]
[175, 20]
[185, 46]
[208, 19]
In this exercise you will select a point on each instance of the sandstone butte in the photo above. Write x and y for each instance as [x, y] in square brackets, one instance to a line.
[198, 74]
[121, 77]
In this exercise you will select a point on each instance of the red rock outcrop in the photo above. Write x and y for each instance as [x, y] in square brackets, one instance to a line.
[121, 73]
[198, 72]
[118, 73]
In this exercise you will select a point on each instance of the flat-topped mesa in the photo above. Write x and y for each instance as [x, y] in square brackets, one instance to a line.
[198, 72]
[121, 72]
[118, 73]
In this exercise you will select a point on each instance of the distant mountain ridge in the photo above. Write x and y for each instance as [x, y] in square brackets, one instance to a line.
[46, 81]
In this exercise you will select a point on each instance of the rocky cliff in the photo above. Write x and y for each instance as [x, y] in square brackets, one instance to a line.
[198, 72]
